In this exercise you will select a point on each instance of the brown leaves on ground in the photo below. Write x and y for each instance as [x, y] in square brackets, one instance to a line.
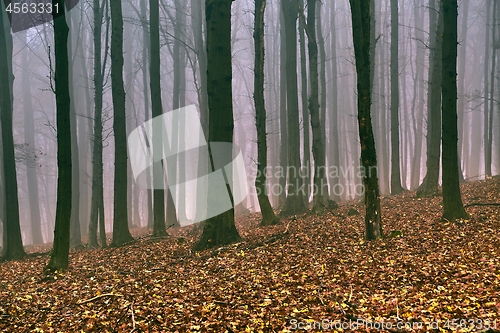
[309, 271]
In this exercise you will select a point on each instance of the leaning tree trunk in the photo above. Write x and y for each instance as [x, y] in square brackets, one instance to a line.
[219, 230]
[260, 116]
[60, 250]
[121, 233]
[452, 201]
[12, 239]
[360, 12]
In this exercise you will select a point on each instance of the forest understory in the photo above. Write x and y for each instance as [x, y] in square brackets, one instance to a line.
[301, 271]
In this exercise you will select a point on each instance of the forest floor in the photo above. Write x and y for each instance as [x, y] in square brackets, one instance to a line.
[315, 273]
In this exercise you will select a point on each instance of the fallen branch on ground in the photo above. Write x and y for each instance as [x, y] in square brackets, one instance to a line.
[99, 296]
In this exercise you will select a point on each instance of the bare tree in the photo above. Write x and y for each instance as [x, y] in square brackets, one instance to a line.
[396, 187]
[294, 203]
[121, 233]
[60, 250]
[219, 230]
[360, 13]
[452, 200]
[12, 240]
[260, 115]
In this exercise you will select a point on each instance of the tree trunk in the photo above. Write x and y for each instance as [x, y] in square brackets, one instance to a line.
[76, 236]
[452, 201]
[318, 148]
[121, 233]
[12, 239]
[29, 137]
[97, 166]
[267, 212]
[360, 12]
[305, 112]
[430, 183]
[335, 188]
[488, 149]
[463, 128]
[147, 115]
[294, 203]
[60, 250]
[156, 106]
[283, 108]
[396, 187]
[219, 230]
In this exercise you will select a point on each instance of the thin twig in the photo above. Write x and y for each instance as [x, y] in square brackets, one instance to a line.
[99, 296]
[133, 316]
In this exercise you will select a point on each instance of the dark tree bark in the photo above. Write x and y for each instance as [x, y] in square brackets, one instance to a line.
[29, 137]
[318, 146]
[97, 199]
[60, 250]
[396, 187]
[452, 201]
[430, 183]
[75, 231]
[156, 106]
[268, 217]
[294, 203]
[306, 145]
[283, 159]
[360, 13]
[219, 230]
[121, 233]
[488, 143]
[147, 113]
[12, 240]
[486, 136]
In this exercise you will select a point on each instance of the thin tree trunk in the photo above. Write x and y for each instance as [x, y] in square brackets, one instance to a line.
[320, 183]
[305, 112]
[97, 166]
[29, 137]
[260, 115]
[335, 188]
[396, 187]
[156, 106]
[488, 149]
[283, 115]
[430, 183]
